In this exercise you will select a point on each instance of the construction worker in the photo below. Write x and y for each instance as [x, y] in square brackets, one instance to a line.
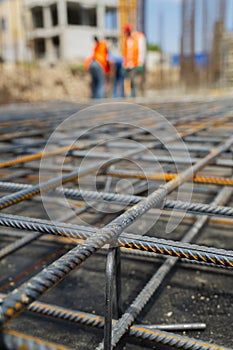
[116, 61]
[134, 55]
[98, 67]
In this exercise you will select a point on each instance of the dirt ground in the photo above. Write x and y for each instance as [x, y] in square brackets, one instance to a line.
[30, 84]
[62, 82]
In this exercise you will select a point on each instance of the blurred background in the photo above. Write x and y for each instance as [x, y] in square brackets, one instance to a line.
[43, 44]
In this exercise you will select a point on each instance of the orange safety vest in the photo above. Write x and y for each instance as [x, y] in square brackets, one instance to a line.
[131, 50]
[100, 55]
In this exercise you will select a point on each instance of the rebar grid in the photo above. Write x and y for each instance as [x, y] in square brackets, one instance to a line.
[211, 129]
[158, 335]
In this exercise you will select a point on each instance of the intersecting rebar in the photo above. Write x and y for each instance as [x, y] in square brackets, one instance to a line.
[150, 288]
[207, 130]
[124, 199]
[17, 301]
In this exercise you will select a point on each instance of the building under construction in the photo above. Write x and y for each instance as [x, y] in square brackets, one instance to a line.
[62, 30]
[59, 30]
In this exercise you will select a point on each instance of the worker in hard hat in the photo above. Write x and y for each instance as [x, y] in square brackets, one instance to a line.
[134, 55]
[98, 67]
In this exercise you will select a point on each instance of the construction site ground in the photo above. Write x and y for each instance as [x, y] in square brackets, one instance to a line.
[25, 83]
[189, 294]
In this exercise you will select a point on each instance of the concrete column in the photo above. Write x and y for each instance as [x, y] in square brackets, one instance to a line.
[50, 55]
[62, 13]
[48, 41]
[47, 17]
[101, 17]
[84, 17]
[62, 23]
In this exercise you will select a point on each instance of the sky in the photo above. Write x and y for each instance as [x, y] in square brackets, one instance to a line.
[168, 12]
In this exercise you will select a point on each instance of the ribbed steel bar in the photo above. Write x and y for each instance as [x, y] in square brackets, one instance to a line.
[168, 177]
[22, 242]
[159, 158]
[204, 254]
[146, 254]
[194, 208]
[75, 316]
[18, 300]
[173, 340]
[150, 288]
[124, 199]
[176, 147]
[158, 335]
[177, 249]
[18, 134]
[13, 340]
[222, 221]
[208, 139]
[75, 233]
[36, 156]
